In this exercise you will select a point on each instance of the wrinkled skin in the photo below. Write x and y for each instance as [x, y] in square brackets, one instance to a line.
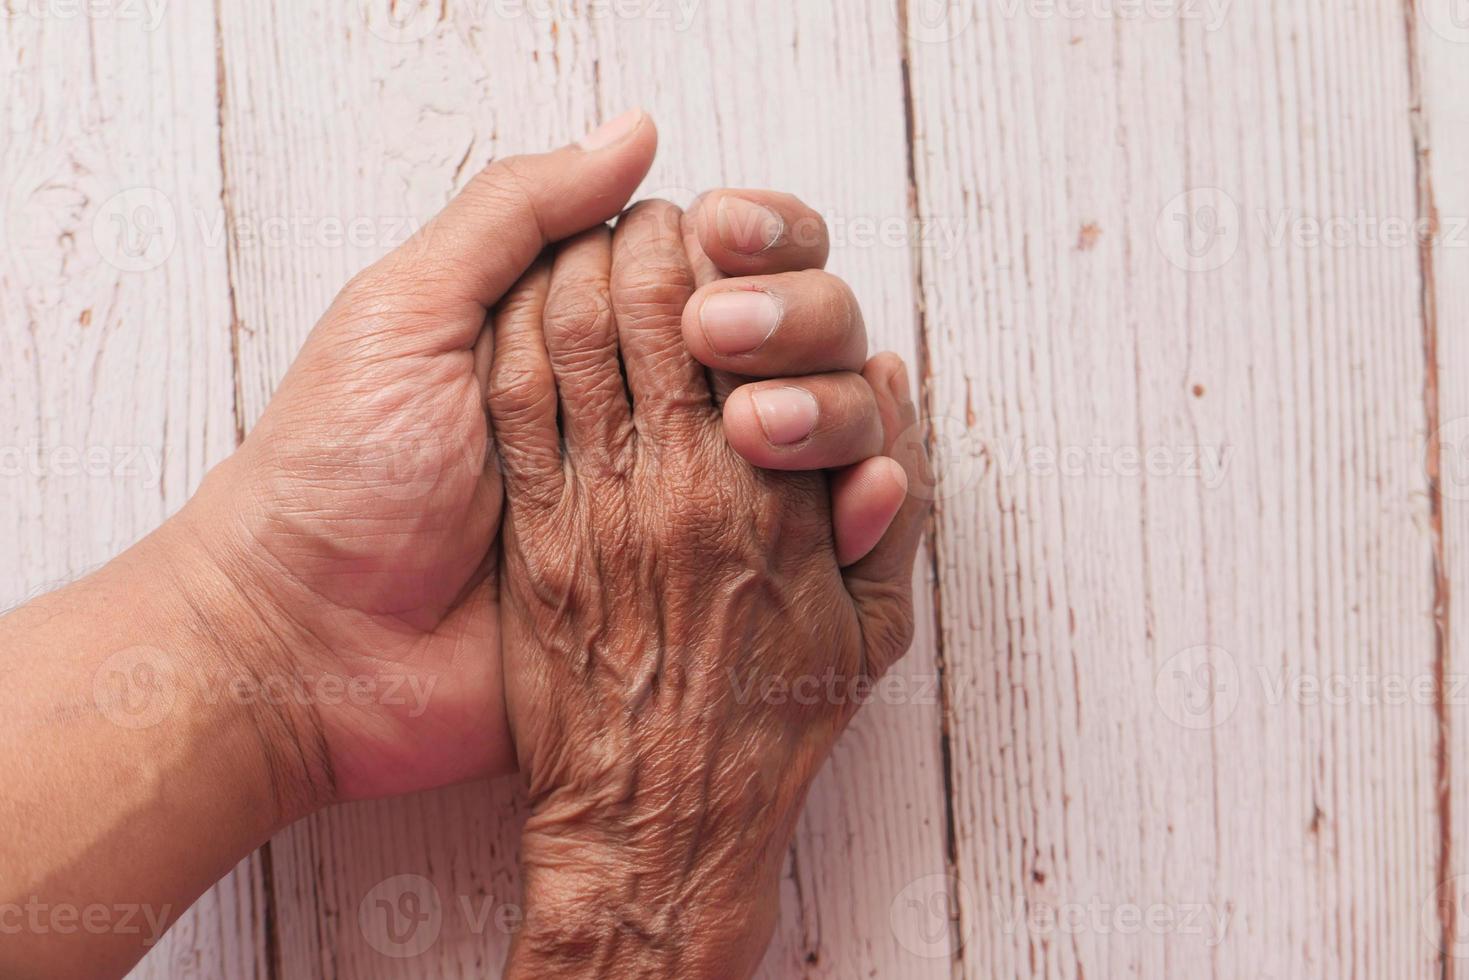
[357, 524]
[657, 587]
[359, 518]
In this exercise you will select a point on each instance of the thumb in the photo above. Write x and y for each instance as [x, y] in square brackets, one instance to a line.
[484, 240]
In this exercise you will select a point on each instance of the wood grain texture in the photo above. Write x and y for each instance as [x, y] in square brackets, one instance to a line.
[1440, 63]
[1187, 698]
[1126, 637]
[114, 329]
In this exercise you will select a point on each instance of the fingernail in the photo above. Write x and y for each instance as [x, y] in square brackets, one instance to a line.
[746, 227]
[787, 415]
[610, 132]
[738, 322]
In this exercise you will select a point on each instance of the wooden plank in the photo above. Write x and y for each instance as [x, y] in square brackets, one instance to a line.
[114, 324]
[1441, 72]
[392, 120]
[1179, 822]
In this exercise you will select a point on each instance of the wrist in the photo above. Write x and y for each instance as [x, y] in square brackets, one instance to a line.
[612, 919]
[239, 657]
[659, 900]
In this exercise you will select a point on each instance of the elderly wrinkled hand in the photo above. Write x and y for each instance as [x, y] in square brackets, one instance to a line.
[655, 583]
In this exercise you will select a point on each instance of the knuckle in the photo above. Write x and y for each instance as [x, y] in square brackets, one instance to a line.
[654, 293]
[506, 187]
[894, 630]
[837, 307]
[519, 389]
[579, 317]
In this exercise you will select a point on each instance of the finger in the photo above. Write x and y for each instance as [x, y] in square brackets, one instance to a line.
[522, 392]
[881, 583]
[651, 284]
[810, 423]
[865, 499]
[774, 326]
[705, 271]
[581, 338]
[478, 246]
[755, 232]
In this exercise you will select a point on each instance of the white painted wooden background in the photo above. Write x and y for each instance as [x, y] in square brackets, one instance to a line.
[1186, 700]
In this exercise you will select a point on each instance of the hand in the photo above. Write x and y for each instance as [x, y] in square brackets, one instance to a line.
[360, 516]
[656, 585]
